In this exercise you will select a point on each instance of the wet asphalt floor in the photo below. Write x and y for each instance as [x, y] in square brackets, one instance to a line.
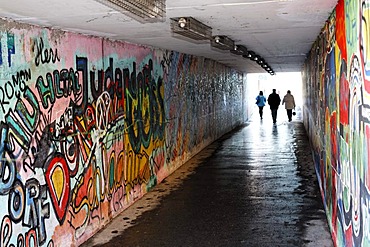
[255, 186]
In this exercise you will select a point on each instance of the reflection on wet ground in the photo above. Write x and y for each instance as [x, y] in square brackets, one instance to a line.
[255, 186]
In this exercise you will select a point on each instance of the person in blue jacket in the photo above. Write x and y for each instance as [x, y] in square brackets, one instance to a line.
[261, 102]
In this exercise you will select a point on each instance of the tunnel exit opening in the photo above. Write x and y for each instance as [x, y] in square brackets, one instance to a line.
[282, 82]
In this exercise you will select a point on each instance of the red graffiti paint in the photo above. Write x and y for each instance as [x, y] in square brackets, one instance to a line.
[6, 231]
[340, 31]
[343, 99]
[58, 180]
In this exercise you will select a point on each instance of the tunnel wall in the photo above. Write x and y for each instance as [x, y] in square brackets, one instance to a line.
[89, 125]
[336, 80]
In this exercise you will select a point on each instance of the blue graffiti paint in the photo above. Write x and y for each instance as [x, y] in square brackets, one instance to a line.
[1, 54]
[11, 47]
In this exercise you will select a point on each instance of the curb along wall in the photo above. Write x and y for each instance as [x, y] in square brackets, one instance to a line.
[89, 125]
[337, 106]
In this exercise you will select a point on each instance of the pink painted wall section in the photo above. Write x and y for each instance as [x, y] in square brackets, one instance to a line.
[89, 125]
[337, 117]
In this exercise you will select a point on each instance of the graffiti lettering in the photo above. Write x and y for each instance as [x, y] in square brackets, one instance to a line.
[7, 166]
[116, 133]
[60, 84]
[19, 82]
[107, 82]
[3, 100]
[16, 202]
[66, 82]
[85, 143]
[166, 62]
[45, 55]
[102, 109]
[82, 68]
[16, 134]
[88, 184]
[6, 231]
[45, 91]
[36, 210]
[29, 119]
[11, 47]
[13, 90]
[27, 203]
[30, 238]
[137, 169]
[144, 104]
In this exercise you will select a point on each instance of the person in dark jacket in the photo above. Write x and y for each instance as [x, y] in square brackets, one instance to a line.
[274, 102]
[260, 101]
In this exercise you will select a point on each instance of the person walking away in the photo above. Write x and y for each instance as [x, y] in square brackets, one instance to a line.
[261, 102]
[289, 104]
[274, 102]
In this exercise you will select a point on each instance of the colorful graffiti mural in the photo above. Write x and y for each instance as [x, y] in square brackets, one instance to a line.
[337, 70]
[84, 135]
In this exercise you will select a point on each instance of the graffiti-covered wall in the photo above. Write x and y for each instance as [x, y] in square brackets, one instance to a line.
[89, 125]
[337, 117]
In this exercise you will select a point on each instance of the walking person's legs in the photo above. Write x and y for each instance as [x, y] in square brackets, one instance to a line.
[274, 114]
[261, 111]
[289, 113]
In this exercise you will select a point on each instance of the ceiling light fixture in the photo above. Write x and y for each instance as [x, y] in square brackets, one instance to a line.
[250, 55]
[190, 28]
[143, 11]
[222, 42]
[256, 58]
[239, 50]
[182, 22]
[259, 60]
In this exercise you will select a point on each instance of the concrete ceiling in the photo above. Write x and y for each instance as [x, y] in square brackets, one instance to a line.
[280, 31]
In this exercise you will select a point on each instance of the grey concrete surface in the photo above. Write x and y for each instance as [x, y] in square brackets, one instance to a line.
[256, 186]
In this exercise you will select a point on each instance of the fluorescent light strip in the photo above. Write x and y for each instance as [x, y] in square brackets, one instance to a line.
[228, 4]
[145, 9]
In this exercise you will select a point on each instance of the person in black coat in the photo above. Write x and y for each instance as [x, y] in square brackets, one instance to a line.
[274, 102]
